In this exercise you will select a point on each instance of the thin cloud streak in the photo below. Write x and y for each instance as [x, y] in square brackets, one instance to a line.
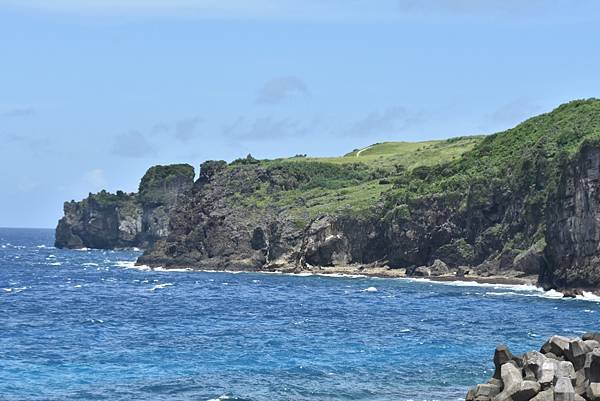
[279, 89]
[26, 111]
[387, 122]
[306, 10]
[132, 144]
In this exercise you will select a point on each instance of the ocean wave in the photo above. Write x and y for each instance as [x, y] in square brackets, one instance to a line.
[370, 289]
[588, 296]
[162, 269]
[159, 286]
[130, 264]
[14, 289]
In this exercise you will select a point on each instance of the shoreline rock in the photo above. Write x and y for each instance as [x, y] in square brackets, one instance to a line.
[565, 369]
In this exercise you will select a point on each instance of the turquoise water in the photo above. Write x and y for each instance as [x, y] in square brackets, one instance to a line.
[84, 325]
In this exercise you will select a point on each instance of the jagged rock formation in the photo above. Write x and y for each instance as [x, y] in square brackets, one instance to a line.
[121, 220]
[565, 369]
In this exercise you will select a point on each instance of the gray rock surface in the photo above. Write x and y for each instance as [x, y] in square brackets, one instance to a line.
[121, 220]
[538, 377]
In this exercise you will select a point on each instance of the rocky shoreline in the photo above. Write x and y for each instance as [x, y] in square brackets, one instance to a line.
[565, 369]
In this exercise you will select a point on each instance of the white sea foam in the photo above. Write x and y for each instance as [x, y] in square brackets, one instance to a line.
[81, 249]
[55, 264]
[77, 286]
[340, 275]
[221, 398]
[370, 289]
[130, 264]
[162, 269]
[15, 289]
[158, 286]
[588, 296]
[90, 264]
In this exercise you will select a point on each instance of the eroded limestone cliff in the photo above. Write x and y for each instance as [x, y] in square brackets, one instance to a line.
[125, 220]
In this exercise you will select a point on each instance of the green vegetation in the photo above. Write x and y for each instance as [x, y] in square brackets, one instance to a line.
[353, 183]
[522, 158]
[473, 170]
[159, 178]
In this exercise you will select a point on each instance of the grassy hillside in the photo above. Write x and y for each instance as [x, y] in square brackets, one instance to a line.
[351, 183]
[394, 174]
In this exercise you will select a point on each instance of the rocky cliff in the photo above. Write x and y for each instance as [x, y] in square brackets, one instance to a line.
[123, 220]
[519, 203]
[573, 223]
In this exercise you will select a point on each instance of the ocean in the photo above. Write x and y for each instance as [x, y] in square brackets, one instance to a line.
[87, 325]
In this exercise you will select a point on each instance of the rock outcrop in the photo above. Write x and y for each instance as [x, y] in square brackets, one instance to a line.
[565, 369]
[125, 220]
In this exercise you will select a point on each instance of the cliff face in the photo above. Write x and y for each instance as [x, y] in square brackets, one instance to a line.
[212, 228]
[573, 234]
[123, 220]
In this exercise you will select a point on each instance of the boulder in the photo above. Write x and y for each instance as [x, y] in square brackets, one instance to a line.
[421, 271]
[502, 355]
[578, 349]
[439, 268]
[566, 370]
[591, 336]
[515, 388]
[563, 390]
[581, 383]
[592, 366]
[548, 372]
[593, 392]
[533, 362]
[487, 391]
[558, 345]
[546, 395]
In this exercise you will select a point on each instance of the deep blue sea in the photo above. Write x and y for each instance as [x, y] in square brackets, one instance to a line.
[85, 325]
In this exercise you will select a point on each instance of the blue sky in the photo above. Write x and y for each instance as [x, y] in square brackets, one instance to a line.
[94, 92]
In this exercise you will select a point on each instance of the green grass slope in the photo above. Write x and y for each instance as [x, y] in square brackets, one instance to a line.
[350, 183]
[525, 159]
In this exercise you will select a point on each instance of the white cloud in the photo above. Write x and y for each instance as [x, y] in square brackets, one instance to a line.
[514, 112]
[331, 10]
[241, 9]
[281, 88]
[387, 121]
[185, 129]
[95, 179]
[21, 111]
[132, 144]
[265, 128]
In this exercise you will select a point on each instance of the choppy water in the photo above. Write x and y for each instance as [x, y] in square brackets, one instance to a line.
[81, 325]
